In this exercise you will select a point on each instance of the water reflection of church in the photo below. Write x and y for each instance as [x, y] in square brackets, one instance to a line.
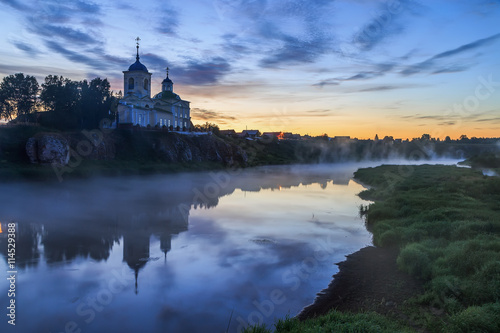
[136, 238]
[62, 244]
[161, 216]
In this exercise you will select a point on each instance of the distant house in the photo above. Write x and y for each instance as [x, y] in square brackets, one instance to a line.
[229, 132]
[250, 134]
[278, 135]
[341, 139]
[291, 136]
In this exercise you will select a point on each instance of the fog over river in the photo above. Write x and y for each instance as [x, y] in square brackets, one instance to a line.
[187, 252]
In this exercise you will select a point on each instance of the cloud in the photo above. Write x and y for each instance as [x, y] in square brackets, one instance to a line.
[154, 61]
[26, 48]
[379, 70]
[380, 88]
[328, 82]
[15, 4]
[296, 51]
[263, 29]
[204, 114]
[68, 34]
[455, 117]
[386, 23]
[168, 21]
[205, 72]
[432, 64]
[76, 56]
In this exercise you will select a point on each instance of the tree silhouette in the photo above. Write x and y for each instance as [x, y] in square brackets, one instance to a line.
[18, 95]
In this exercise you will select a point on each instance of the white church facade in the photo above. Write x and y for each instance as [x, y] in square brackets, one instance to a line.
[138, 108]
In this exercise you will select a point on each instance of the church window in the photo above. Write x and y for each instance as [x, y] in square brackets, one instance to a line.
[131, 83]
[146, 84]
[169, 123]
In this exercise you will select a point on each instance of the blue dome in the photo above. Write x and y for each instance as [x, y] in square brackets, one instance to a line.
[137, 66]
[167, 80]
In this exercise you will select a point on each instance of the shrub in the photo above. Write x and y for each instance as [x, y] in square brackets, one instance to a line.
[485, 318]
[414, 260]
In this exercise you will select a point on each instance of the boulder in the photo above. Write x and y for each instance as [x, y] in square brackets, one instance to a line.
[48, 148]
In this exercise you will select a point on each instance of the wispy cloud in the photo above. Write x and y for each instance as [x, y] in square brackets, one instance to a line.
[210, 115]
[168, 21]
[433, 64]
[14, 4]
[388, 21]
[29, 49]
[202, 72]
[75, 56]
[68, 34]
[378, 71]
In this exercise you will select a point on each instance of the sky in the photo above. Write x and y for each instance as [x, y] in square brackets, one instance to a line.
[355, 68]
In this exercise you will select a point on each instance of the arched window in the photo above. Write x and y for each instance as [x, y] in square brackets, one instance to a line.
[131, 83]
[145, 84]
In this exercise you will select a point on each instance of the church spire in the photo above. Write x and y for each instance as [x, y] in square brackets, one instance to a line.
[137, 42]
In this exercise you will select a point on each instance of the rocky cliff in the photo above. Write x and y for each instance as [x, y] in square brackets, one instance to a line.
[60, 148]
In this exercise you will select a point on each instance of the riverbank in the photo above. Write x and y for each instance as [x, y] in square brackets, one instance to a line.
[37, 153]
[436, 264]
[368, 280]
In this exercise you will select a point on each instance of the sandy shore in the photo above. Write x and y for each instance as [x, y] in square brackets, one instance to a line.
[368, 280]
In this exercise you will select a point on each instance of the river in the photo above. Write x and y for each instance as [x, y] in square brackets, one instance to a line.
[193, 252]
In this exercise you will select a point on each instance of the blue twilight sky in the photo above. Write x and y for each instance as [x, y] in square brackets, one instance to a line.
[342, 67]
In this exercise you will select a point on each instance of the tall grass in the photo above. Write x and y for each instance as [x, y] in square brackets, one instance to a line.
[446, 222]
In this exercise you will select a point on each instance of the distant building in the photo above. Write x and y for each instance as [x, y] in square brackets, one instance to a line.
[250, 134]
[341, 139]
[278, 135]
[229, 132]
[291, 136]
[138, 108]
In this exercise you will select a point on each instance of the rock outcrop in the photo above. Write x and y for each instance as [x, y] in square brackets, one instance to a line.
[48, 148]
[205, 148]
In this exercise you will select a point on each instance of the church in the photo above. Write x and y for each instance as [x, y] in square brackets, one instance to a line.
[138, 108]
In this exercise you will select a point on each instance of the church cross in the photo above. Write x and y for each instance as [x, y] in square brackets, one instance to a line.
[137, 41]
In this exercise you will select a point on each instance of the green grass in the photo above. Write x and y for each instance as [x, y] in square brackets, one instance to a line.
[446, 222]
[336, 322]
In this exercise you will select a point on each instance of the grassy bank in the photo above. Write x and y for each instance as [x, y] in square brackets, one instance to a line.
[445, 223]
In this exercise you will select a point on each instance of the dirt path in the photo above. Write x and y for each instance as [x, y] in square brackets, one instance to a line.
[368, 280]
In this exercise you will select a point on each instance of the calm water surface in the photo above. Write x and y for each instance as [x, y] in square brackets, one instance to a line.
[177, 253]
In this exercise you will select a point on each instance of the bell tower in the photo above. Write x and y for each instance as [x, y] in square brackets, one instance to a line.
[137, 80]
[167, 84]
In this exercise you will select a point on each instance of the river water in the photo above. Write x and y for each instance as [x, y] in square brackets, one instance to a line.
[194, 252]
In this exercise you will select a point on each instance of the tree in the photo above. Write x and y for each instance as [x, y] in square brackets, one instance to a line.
[425, 137]
[77, 104]
[18, 95]
[376, 137]
[447, 139]
[97, 102]
[60, 96]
